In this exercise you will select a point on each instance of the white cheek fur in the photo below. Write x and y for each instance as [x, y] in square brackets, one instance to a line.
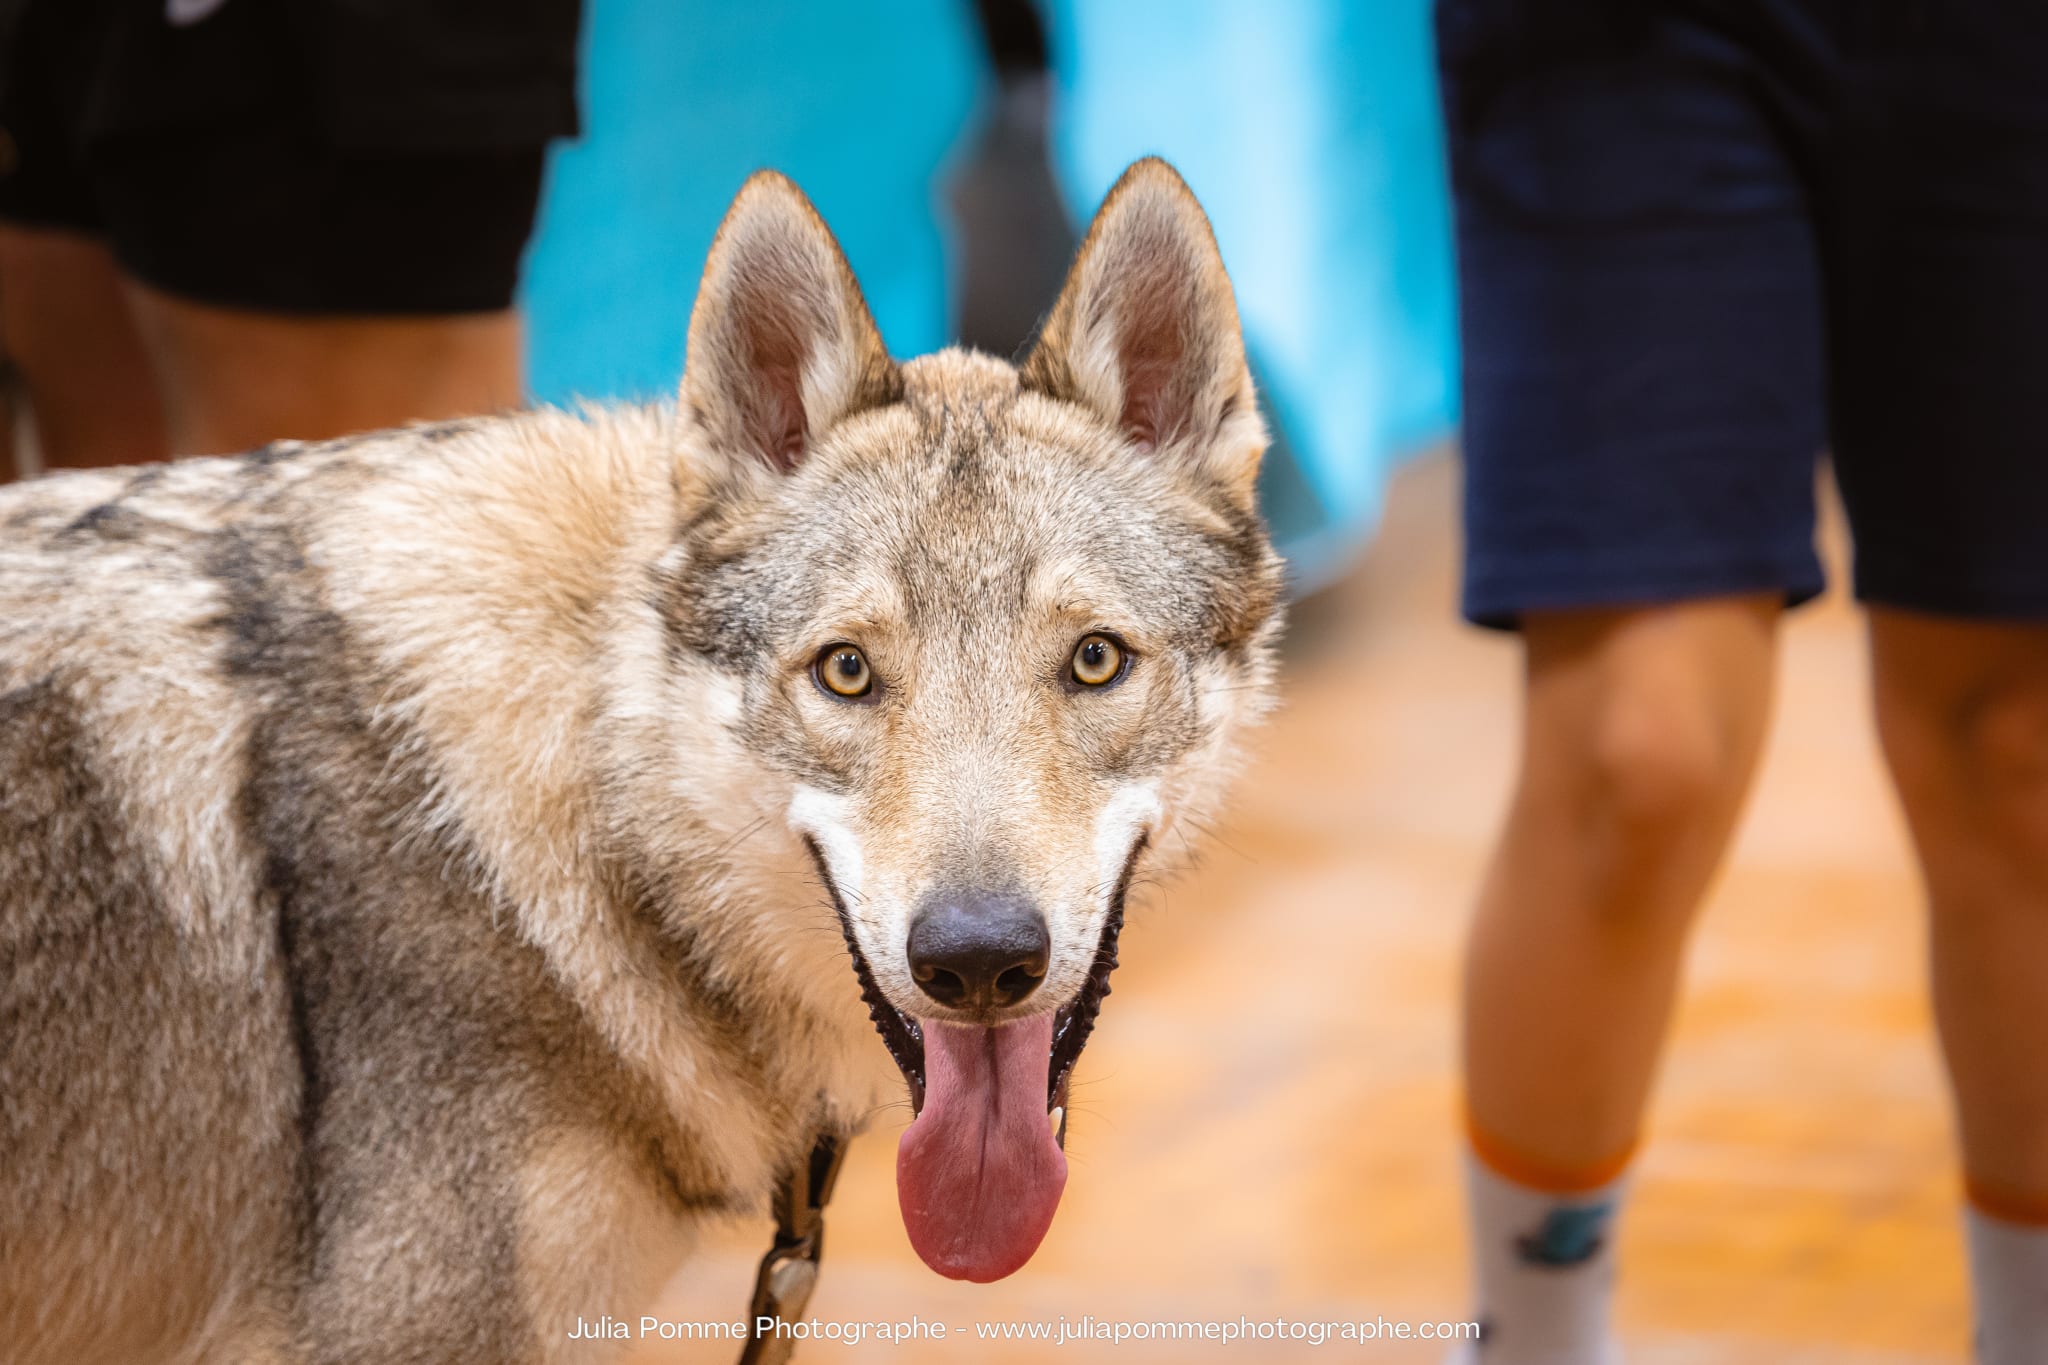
[1134, 808]
[821, 816]
[880, 922]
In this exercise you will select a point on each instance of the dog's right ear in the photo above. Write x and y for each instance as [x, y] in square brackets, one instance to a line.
[781, 342]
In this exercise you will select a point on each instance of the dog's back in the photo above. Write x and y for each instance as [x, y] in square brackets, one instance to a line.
[149, 1093]
[256, 1011]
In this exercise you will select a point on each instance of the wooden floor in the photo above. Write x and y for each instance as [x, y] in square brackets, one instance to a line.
[1265, 1121]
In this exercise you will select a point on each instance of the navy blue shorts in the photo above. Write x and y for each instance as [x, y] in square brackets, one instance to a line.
[1701, 243]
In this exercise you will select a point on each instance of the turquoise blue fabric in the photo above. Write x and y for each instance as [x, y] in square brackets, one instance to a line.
[682, 100]
[1308, 128]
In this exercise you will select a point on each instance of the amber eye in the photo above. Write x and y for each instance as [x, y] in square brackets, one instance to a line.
[1097, 660]
[843, 671]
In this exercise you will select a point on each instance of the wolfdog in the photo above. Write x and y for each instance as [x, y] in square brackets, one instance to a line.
[428, 859]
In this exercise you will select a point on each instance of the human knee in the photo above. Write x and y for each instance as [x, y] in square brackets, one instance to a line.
[1664, 757]
[1625, 802]
[1648, 723]
[1985, 747]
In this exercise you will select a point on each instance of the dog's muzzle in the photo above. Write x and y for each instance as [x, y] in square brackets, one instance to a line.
[980, 1170]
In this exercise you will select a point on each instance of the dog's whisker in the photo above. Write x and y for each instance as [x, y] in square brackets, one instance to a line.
[1214, 833]
[745, 834]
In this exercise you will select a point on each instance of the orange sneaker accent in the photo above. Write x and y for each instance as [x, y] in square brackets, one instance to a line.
[1532, 1173]
[2006, 1205]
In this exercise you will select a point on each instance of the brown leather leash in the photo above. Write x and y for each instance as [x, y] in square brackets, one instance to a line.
[789, 1272]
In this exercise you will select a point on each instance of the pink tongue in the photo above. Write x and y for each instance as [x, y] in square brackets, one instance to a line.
[979, 1174]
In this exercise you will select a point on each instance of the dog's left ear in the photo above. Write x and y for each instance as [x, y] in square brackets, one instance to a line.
[781, 342]
[1145, 333]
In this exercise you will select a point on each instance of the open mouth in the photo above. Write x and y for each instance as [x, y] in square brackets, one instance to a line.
[980, 1171]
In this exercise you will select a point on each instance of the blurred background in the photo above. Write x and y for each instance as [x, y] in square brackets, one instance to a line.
[1266, 1122]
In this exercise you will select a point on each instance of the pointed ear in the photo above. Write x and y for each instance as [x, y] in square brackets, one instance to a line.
[781, 342]
[1145, 333]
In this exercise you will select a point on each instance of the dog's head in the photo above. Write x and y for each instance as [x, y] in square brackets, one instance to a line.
[993, 632]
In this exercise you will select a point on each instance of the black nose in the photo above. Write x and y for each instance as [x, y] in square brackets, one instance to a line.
[978, 950]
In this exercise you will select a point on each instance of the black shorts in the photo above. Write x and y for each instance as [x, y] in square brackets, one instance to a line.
[1701, 242]
[368, 157]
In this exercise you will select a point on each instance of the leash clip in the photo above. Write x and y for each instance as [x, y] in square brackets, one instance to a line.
[789, 1272]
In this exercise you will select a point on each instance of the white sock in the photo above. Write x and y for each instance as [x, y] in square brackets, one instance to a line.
[2009, 1283]
[1543, 1266]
